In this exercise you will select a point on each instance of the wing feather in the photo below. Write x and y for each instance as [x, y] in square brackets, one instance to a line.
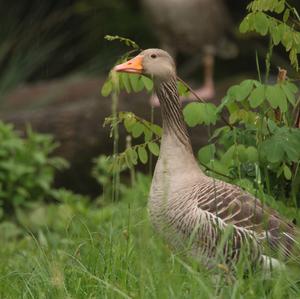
[235, 206]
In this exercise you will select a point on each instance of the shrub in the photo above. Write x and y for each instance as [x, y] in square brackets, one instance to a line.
[26, 168]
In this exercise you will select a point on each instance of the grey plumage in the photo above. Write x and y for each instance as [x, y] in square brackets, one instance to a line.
[192, 26]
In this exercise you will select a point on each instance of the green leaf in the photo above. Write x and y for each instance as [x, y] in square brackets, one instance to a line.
[273, 150]
[209, 114]
[207, 153]
[182, 89]
[137, 129]
[126, 82]
[199, 113]
[219, 131]
[292, 87]
[129, 122]
[240, 92]
[280, 6]
[289, 94]
[148, 134]
[191, 113]
[128, 160]
[276, 35]
[261, 23]
[233, 91]
[136, 82]
[134, 156]
[227, 157]
[148, 83]
[154, 148]
[143, 154]
[241, 152]
[257, 96]
[286, 15]
[156, 129]
[244, 26]
[106, 88]
[272, 126]
[276, 97]
[287, 172]
[252, 154]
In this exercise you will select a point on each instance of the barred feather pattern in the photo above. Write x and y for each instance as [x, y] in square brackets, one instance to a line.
[187, 207]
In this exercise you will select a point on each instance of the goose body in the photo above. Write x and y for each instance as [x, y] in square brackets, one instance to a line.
[190, 26]
[188, 207]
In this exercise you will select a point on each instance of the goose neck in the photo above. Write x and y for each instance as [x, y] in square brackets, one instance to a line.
[172, 116]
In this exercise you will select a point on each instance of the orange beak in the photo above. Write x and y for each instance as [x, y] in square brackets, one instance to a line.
[133, 65]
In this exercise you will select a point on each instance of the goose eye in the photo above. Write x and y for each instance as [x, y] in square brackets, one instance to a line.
[153, 56]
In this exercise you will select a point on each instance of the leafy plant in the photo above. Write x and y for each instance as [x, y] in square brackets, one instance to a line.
[275, 17]
[259, 142]
[26, 168]
[137, 127]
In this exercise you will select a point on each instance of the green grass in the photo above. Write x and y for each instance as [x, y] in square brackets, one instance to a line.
[113, 252]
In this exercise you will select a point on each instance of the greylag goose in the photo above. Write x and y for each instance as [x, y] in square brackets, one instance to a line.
[193, 26]
[185, 205]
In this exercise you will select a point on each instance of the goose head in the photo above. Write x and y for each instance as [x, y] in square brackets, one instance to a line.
[155, 63]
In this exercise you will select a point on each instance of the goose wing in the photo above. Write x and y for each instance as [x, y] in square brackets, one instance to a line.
[234, 206]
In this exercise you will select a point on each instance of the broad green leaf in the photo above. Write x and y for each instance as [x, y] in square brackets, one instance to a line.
[219, 131]
[276, 97]
[241, 152]
[191, 113]
[227, 157]
[143, 154]
[233, 91]
[154, 148]
[287, 172]
[129, 122]
[289, 94]
[148, 83]
[148, 134]
[276, 35]
[199, 113]
[273, 150]
[244, 26]
[280, 6]
[133, 155]
[124, 78]
[207, 153]
[261, 23]
[292, 87]
[240, 92]
[137, 129]
[252, 154]
[272, 125]
[244, 90]
[156, 129]
[291, 147]
[182, 89]
[209, 114]
[257, 96]
[136, 82]
[106, 88]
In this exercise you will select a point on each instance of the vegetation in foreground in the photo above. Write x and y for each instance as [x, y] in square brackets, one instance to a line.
[84, 251]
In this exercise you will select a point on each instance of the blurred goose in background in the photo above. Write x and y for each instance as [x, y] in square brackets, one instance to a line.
[192, 27]
[188, 207]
